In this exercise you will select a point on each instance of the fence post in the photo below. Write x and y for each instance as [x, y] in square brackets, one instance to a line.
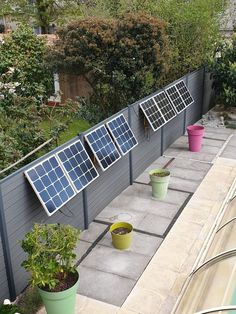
[162, 140]
[131, 178]
[84, 194]
[6, 251]
[203, 90]
[185, 110]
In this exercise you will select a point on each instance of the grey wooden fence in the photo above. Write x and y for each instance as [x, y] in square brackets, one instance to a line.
[20, 208]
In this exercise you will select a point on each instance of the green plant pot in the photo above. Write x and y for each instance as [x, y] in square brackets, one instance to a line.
[62, 302]
[159, 183]
[121, 241]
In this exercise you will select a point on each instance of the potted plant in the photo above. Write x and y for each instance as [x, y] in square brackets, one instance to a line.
[122, 234]
[195, 135]
[50, 249]
[159, 181]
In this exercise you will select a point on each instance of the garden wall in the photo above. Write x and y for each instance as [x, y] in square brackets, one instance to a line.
[20, 208]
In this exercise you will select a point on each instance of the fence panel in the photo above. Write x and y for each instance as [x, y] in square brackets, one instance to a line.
[22, 208]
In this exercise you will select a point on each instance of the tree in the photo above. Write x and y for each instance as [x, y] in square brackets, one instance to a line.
[122, 59]
[192, 26]
[40, 12]
[22, 61]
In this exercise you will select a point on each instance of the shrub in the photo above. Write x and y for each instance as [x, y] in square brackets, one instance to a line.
[2, 28]
[122, 59]
[50, 253]
[23, 53]
[223, 69]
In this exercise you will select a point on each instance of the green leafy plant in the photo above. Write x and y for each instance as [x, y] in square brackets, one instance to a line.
[223, 69]
[50, 254]
[121, 59]
[22, 62]
[8, 308]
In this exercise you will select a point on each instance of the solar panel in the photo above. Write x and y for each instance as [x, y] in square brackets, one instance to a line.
[152, 113]
[165, 106]
[50, 184]
[103, 147]
[77, 164]
[175, 98]
[122, 134]
[185, 94]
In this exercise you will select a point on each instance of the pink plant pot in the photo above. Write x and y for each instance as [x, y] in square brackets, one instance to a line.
[195, 135]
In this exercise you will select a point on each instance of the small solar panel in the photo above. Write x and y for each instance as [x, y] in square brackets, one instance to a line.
[122, 134]
[165, 106]
[103, 147]
[50, 184]
[77, 164]
[185, 94]
[175, 98]
[152, 113]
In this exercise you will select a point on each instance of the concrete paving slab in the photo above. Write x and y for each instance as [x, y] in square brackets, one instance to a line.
[154, 224]
[123, 263]
[183, 184]
[188, 174]
[181, 153]
[81, 249]
[229, 152]
[183, 142]
[104, 286]
[142, 243]
[93, 232]
[190, 164]
[113, 214]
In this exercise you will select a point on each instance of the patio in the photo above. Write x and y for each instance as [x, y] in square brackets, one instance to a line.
[155, 268]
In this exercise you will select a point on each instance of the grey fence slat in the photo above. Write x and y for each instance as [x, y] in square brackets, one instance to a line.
[22, 208]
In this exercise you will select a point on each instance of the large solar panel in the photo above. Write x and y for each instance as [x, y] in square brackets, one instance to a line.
[78, 165]
[103, 147]
[50, 184]
[165, 106]
[175, 98]
[152, 113]
[184, 92]
[122, 134]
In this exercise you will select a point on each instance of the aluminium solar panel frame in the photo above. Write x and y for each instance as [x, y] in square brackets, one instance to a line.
[117, 144]
[185, 86]
[158, 109]
[176, 112]
[37, 193]
[63, 167]
[174, 85]
[93, 151]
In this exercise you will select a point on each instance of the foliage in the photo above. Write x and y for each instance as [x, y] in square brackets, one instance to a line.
[193, 26]
[50, 252]
[40, 12]
[9, 308]
[21, 61]
[20, 130]
[123, 60]
[223, 69]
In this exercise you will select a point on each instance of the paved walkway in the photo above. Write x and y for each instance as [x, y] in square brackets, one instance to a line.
[148, 278]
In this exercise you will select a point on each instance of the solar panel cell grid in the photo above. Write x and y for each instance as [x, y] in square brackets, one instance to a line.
[50, 184]
[184, 92]
[176, 98]
[152, 113]
[103, 147]
[78, 165]
[122, 134]
[165, 106]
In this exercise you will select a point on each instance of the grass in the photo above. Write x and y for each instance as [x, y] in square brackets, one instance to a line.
[74, 128]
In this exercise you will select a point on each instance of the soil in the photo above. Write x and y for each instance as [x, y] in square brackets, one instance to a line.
[64, 283]
[161, 174]
[121, 230]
